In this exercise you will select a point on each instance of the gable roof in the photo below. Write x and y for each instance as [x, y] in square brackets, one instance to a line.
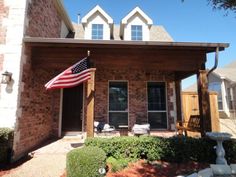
[133, 12]
[231, 65]
[226, 73]
[97, 8]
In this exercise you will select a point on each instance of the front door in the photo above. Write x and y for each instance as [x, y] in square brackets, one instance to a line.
[72, 112]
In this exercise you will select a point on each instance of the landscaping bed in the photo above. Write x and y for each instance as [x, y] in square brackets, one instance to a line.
[142, 168]
[152, 156]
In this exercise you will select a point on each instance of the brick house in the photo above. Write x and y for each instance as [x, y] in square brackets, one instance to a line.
[137, 78]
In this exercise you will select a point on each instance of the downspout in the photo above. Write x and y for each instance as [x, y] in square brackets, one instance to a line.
[216, 62]
[213, 68]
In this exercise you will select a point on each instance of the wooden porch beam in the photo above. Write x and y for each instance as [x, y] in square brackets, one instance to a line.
[204, 103]
[90, 104]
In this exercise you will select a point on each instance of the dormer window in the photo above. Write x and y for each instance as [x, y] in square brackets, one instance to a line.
[98, 25]
[136, 26]
[97, 31]
[136, 33]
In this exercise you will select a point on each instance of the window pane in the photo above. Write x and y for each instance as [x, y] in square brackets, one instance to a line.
[220, 105]
[215, 86]
[97, 31]
[157, 120]
[156, 96]
[118, 96]
[136, 32]
[118, 118]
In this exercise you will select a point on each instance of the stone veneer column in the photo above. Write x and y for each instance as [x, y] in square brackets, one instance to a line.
[173, 110]
[11, 53]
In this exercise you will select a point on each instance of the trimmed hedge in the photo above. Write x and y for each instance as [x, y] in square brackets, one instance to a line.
[85, 162]
[118, 164]
[6, 143]
[174, 149]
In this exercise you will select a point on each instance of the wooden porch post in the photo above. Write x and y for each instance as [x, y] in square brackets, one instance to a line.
[204, 103]
[90, 104]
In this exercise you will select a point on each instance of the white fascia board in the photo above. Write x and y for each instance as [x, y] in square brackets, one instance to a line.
[94, 10]
[136, 10]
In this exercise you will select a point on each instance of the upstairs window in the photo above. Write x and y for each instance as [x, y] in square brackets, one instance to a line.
[136, 33]
[97, 31]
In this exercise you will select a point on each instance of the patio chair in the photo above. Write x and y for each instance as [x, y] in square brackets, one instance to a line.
[141, 129]
[101, 127]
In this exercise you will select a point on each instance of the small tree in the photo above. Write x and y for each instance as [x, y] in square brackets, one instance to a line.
[224, 4]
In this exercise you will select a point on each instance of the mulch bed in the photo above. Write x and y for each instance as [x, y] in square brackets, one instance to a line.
[139, 169]
[158, 169]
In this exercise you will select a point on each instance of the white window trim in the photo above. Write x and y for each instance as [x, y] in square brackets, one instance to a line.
[108, 111]
[166, 111]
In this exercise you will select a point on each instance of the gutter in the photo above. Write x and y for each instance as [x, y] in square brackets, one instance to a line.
[216, 62]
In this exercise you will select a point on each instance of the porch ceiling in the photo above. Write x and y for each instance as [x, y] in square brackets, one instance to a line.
[184, 58]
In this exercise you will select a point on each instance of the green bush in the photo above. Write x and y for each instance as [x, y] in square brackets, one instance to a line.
[174, 149]
[128, 147]
[118, 164]
[6, 142]
[85, 162]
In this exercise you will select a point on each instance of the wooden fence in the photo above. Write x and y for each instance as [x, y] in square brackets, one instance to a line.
[190, 107]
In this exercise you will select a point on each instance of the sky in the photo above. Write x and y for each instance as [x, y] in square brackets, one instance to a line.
[188, 21]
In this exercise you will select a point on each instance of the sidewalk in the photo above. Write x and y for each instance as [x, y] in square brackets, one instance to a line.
[48, 161]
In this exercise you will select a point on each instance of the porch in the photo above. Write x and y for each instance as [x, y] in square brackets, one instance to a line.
[137, 69]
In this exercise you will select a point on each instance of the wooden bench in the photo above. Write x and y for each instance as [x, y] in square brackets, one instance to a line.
[192, 125]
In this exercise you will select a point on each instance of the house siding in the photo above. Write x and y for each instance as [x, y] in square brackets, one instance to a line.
[137, 90]
[4, 10]
[34, 124]
[39, 23]
[11, 34]
[39, 109]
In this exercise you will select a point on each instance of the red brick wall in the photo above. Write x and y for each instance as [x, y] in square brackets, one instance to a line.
[43, 19]
[40, 109]
[137, 89]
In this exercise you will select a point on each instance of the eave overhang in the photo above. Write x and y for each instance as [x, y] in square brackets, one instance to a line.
[67, 42]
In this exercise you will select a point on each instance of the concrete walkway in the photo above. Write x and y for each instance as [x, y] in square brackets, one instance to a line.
[48, 161]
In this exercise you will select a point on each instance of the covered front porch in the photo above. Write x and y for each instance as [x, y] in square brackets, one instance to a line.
[127, 77]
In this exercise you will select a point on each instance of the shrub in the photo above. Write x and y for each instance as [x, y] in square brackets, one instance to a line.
[85, 162]
[118, 164]
[6, 142]
[174, 149]
[128, 147]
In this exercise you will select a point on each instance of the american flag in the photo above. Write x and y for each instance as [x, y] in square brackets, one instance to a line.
[72, 76]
